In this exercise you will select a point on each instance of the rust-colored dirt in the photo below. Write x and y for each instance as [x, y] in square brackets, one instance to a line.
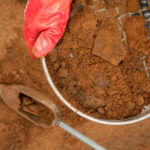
[99, 69]
[16, 66]
[39, 112]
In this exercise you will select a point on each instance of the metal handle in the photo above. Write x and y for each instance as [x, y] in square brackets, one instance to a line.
[80, 136]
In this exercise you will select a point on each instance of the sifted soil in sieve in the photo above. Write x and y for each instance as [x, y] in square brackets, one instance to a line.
[99, 87]
[16, 67]
[38, 112]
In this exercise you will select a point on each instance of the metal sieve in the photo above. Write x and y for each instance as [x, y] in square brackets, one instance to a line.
[146, 110]
[144, 114]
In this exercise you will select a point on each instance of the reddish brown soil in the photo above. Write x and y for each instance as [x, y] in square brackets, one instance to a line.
[40, 113]
[16, 133]
[132, 3]
[95, 70]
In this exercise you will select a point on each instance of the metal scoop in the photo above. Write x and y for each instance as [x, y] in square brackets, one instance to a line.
[18, 97]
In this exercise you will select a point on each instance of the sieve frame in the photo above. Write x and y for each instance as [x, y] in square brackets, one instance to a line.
[142, 116]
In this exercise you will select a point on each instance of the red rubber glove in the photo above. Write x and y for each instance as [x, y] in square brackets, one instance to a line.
[45, 23]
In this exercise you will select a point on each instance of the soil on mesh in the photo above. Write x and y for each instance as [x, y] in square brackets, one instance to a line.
[94, 69]
[16, 67]
[39, 113]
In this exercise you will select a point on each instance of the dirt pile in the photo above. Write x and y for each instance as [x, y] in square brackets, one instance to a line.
[98, 66]
[16, 133]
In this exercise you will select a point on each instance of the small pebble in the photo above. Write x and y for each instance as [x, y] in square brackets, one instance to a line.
[93, 102]
[2, 126]
[120, 102]
[111, 113]
[71, 55]
[73, 91]
[100, 101]
[34, 108]
[101, 110]
[30, 111]
[99, 90]
[130, 105]
[56, 66]
[140, 100]
[110, 2]
[17, 76]
[14, 72]
[62, 73]
[21, 71]
[63, 64]
[107, 108]
[27, 101]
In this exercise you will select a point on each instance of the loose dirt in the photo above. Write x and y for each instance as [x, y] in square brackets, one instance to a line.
[99, 64]
[40, 113]
[16, 66]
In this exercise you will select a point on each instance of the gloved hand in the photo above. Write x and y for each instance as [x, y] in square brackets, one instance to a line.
[44, 25]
